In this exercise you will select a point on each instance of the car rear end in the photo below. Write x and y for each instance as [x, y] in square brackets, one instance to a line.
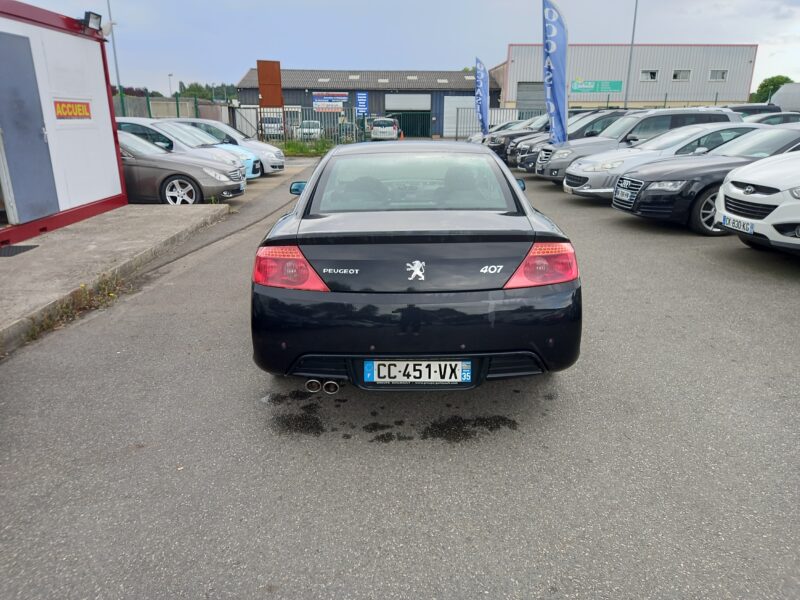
[415, 297]
[384, 129]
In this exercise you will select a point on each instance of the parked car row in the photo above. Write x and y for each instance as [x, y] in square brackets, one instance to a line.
[187, 161]
[705, 168]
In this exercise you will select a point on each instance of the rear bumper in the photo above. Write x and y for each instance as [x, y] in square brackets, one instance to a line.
[329, 334]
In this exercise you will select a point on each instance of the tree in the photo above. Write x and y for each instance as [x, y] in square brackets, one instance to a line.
[768, 87]
[468, 70]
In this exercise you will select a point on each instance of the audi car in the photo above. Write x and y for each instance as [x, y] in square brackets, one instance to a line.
[414, 265]
[684, 189]
[760, 203]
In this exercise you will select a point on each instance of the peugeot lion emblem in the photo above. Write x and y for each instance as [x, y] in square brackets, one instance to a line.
[749, 190]
[417, 269]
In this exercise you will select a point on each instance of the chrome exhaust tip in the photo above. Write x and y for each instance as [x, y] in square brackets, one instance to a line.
[330, 387]
[313, 386]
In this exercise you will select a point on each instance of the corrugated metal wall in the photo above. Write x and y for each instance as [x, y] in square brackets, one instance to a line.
[610, 62]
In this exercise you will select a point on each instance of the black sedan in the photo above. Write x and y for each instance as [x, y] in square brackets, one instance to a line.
[414, 265]
[684, 189]
[499, 142]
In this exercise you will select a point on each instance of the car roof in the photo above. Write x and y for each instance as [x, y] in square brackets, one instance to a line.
[410, 146]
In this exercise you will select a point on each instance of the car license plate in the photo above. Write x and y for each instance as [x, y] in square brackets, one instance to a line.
[540, 170]
[242, 186]
[737, 224]
[622, 194]
[567, 189]
[418, 371]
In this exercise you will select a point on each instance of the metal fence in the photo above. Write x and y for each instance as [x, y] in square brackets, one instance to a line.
[179, 106]
[342, 126]
[467, 119]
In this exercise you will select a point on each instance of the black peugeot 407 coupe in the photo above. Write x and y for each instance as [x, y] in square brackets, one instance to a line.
[414, 265]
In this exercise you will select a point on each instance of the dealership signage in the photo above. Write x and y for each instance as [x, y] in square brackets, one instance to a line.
[68, 109]
[362, 103]
[580, 86]
[329, 101]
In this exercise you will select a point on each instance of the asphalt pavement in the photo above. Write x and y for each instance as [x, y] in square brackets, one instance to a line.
[143, 455]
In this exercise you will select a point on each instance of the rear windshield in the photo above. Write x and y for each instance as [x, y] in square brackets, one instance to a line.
[383, 123]
[404, 181]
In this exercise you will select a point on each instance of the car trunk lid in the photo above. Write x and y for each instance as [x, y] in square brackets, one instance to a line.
[415, 251]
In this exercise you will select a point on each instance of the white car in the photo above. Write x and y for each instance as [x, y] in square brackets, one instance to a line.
[309, 130]
[596, 175]
[761, 203]
[384, 128]
[272, 159]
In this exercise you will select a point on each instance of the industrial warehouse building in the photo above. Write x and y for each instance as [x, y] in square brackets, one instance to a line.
[433, 97]
[661, 75]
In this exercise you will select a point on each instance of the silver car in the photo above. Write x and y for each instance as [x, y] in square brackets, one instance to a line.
[272, 159]
[176, 138]
[553, 160]
[153, 174]
[597, 174]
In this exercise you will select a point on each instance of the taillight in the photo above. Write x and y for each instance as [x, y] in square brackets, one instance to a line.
[286, 267]
[546, 263]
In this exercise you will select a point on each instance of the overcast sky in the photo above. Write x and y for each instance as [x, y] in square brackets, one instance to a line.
[216, 41]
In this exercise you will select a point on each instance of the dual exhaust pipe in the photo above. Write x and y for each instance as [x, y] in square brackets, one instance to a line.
[329, 387]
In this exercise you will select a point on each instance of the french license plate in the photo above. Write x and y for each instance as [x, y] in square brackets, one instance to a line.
[567, 189]
[622, 194]
[242, 186]
[540, 169]
[737, 224]
[418, 371]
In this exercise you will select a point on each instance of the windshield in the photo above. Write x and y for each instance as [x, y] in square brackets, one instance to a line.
[620, 127]
[231, 131]
[759, 144]
[574, 123]
[504, 126]
[383, 123]
[404, 181]
[186, 134]
[537, 122]
[137, 146]
[671, 138]
[310, 124]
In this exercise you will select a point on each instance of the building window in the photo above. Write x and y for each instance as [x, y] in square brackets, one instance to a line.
[648, 75]
[681, 75]
[718, 75]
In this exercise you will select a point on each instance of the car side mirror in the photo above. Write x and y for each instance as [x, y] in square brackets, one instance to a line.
[163, 145]
[591, 133]
[521, 184]
[296, 187]
[230, 140]
[631, 138]
[700, 150]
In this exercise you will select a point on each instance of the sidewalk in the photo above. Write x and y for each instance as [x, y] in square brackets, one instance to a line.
[34, 283]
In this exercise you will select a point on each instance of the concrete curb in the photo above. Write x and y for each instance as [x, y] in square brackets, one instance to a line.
[14, 335]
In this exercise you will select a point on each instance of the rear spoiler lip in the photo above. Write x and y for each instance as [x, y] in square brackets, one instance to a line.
[421, 237]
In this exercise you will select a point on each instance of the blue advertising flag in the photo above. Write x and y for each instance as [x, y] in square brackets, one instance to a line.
[482, 95]
[554, 43]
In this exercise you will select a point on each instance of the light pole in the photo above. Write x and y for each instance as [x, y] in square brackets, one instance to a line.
[169, 76]
[116, 63]
[630, 53]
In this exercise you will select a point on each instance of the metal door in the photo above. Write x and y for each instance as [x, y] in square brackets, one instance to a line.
[530, 95]
[24, 135]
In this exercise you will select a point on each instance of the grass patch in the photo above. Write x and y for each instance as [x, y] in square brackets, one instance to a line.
[85, 298]
[300, 148]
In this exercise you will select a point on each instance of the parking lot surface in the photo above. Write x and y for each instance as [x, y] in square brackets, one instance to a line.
[143, 455]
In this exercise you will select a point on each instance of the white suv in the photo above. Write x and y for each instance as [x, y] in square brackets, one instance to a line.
[761, 203]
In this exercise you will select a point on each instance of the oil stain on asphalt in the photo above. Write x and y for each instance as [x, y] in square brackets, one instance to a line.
[451, 429]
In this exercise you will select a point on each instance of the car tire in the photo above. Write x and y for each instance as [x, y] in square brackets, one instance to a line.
[701, 217]
[180, 189]
[753, 244]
